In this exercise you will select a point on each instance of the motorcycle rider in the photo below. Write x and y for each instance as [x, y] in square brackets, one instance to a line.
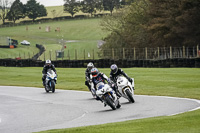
[48, 65]
[98, 77]
[115, 72]
[88, 76]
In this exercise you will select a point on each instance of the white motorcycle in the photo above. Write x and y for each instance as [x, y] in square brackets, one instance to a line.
[125, 88]
[51, 79]
[107, 95]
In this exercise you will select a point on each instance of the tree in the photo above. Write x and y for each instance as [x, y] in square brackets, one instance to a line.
[111, 4]
[71, 6]
[35, 10]
[188, 23]
[16, 11]
[127, 26]
[174, 23]
[88, 6]
[99, 5]
[4, 8]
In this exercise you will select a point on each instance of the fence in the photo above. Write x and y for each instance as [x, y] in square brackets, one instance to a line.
[158, 53]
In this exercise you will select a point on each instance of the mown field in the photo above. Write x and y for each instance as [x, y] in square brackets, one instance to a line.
[86, 34]
[175, 82]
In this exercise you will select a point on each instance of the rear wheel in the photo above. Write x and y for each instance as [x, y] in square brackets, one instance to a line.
[110, 102]
[130, 96]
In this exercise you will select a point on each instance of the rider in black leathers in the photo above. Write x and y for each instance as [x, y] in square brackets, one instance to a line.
[115, 72]
[48, 65]
[88, 75]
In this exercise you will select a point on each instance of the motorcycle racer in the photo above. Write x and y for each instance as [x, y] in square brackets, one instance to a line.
[48, 65]
[115, 72]
[98, 77]
[88, 76]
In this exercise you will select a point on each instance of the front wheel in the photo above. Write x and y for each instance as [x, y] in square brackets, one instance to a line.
[110, 102]
[52, 85]
[130, 96]
[46, 89]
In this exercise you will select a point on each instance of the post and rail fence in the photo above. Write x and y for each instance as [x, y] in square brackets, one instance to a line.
[132, 57]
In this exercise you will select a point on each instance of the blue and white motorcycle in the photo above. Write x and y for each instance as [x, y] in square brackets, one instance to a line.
[51, 79]
[107, 95]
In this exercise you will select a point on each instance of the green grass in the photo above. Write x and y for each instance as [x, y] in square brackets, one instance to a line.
[81, 50]
[87, 32]
[183, 123]
[86, 29]
[22, 51]
[176, 82]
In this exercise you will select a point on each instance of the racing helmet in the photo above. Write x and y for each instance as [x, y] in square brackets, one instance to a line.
[90, 65]
[114, 68]
[48, 62]
[94, 72]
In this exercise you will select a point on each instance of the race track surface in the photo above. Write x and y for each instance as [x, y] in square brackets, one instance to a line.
[28, 109]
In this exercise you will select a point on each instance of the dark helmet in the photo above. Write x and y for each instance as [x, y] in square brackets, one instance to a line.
[90, 65]
[94, 72]
[114, 68]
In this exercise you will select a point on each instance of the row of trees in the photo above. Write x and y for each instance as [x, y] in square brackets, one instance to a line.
[92, 6]
[154, 23]
[17, 10]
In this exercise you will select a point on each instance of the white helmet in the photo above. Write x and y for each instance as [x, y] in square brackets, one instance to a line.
[90, 65]
[48, 61]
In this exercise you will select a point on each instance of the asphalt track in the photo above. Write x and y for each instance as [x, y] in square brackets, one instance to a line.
[28, 109]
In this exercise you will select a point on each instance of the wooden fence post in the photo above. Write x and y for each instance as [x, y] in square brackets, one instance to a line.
[170, 52]
[158, 53]
[197, 50]
[123, 53]
[183, 51]
[84, 54]
[75, 54]
[68, 55]
[50, 54]
[146, 55]
[134, 54]
[56, 55]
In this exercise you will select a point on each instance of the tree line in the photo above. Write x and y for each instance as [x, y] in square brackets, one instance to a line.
[17, 10]
[154, 23]
[92, 6]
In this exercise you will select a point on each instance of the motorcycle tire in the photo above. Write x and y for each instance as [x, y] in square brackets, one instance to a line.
[46, 89]
[110, 102]
[130, 96]
[53, 86]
